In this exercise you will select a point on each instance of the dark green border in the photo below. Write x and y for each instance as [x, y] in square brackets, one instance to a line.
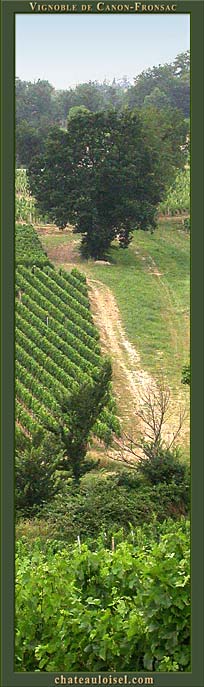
[9, 678]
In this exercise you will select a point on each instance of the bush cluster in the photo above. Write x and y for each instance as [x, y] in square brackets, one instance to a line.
[104, 504]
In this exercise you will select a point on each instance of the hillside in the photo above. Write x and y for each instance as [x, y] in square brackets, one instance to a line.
[117, 543]
[57, 347]
[140, 302]
[102, 355]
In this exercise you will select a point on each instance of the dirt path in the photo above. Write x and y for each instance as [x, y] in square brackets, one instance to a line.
[130, 381]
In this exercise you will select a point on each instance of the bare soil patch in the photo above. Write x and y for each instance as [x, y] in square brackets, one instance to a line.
[173, 218]
[52, 229]
[62, 252]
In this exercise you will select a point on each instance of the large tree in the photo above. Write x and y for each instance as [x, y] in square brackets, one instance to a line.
[103, 176]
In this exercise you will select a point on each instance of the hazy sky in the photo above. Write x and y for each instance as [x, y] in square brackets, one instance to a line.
[71, 49]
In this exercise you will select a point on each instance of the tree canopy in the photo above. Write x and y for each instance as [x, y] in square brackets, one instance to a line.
[103, 175]
[42, 106]
[165, 85]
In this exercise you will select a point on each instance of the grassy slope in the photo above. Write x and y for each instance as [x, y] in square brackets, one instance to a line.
[154, 307]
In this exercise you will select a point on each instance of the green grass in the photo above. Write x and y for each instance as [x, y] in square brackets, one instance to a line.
[154, 309]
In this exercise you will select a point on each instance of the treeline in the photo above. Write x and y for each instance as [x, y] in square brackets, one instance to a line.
[40, 106]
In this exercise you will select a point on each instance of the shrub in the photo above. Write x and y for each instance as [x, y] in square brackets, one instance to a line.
[107, 505]
[35, 477]
[87, 513]
[163, 465]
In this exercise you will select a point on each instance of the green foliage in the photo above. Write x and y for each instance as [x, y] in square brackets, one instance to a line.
[92, 511]
[29, 142]
[178, 197]
[21, 182]
[107, 181]
[77, 416]
[157, 98]
[164, 597]
[101, 504]
[77, 109]
[167, 85]
[161, 464]
[35, 476]
[28, 249]
[57, 350]
[35, 104]
[25, 205]
[165, 132]
[78, 609]
[78, 275]
[39, 105]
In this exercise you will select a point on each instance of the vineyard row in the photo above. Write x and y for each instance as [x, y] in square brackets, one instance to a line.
[25, 319]
[53, 305]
